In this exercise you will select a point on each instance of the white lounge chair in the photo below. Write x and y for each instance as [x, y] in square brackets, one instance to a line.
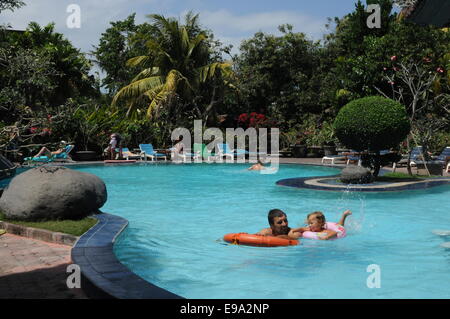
[333, 158]
[129, 155]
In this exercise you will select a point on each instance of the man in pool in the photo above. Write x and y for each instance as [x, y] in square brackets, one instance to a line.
[278, 226]
[257, 167]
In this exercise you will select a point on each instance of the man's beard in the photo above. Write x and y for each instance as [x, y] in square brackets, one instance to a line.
[283, 231]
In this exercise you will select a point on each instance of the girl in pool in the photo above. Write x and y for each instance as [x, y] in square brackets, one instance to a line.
[317, 223]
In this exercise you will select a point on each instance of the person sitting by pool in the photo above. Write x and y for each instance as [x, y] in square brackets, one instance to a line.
[46, 152]
[114, 143]
[317, 223]
[257, 167]
[177, 149]
[278, 226]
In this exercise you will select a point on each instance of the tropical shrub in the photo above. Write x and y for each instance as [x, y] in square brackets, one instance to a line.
[372, 124]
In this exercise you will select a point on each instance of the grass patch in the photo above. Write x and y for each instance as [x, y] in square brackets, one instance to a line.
[401, 177]
[72, 227]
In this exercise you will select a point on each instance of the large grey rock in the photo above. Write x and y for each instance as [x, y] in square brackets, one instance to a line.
[52, 193]
[356, 175]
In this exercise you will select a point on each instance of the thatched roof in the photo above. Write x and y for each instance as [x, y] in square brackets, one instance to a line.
[425, 12]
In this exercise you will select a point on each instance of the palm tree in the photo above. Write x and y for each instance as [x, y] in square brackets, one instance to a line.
[177, 64]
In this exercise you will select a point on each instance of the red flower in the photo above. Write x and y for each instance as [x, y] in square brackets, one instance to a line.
[440, 70]
[252, 120]
[243, 117]
[33, 130]
[393, 58]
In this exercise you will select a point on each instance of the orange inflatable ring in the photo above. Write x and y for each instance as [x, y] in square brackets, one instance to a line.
[258, 240]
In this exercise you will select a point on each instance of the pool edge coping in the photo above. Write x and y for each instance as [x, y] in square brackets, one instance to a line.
[314, 183]
[103, 274]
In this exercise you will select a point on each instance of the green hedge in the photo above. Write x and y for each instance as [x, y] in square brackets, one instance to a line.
[372, 123]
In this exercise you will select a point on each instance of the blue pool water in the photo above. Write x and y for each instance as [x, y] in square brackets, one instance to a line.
[178, 214]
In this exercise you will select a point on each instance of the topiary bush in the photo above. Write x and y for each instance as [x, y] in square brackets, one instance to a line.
[372, 123]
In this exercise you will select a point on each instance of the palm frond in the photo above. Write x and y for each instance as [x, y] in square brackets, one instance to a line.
[137, 88]
[138, 60]
[209, 71]
[185, 43]
[151, 94]
[146, 73]
[194, 44]
[157, 100]
[157, 49]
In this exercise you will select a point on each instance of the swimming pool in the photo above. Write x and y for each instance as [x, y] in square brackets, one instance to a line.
[178, 214]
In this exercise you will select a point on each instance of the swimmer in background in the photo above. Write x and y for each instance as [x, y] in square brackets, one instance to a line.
[278, 226]
[316, 222]
[257, 167]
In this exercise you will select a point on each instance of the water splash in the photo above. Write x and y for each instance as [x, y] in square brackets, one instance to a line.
[356, 202]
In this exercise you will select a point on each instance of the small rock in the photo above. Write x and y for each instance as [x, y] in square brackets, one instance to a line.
[356, 175]
[446, 245]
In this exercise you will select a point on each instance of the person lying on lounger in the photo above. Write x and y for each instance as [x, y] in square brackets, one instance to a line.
[46, 152]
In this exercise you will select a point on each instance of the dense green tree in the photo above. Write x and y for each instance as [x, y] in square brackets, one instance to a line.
[10, 4]
[71, 65]
[28, 78]
[364, 54]
[281, 75]
[119, 43]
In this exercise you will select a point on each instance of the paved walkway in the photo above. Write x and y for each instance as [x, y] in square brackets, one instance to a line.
[31, 268]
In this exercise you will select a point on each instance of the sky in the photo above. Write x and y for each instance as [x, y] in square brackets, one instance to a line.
[230, 20]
